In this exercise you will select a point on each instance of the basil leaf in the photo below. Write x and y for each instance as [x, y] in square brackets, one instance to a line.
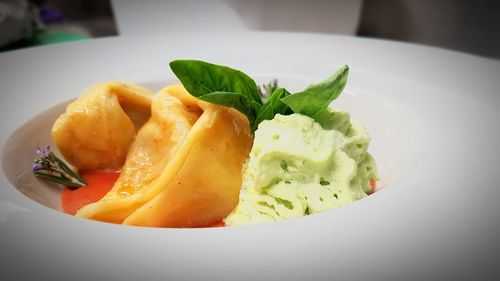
[277, 104]
[237, 101]
[201, 78]
[273, 106]
[255, 106]
[317, 97]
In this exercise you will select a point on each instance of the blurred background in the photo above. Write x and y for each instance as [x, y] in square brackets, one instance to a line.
[466, 26]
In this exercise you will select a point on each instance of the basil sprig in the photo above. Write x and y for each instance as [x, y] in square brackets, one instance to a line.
[229, 87]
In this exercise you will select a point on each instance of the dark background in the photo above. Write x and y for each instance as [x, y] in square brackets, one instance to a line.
[467, 26]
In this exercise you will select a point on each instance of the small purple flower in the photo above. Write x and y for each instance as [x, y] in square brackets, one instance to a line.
[36, 167]
[43, 150]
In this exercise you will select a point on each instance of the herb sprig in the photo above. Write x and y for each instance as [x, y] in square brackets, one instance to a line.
[229, 87]
[266, 90]
[49, 167]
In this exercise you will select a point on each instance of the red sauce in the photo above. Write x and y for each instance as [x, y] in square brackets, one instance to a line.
[99, 183]
[373, 184]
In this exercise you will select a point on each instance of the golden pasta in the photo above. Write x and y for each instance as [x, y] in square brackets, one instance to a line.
[173, 171]
[98, 128]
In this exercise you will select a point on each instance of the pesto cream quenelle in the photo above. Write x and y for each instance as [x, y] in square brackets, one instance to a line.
[298, 166]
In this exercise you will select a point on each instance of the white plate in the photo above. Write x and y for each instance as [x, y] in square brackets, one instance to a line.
[432, 115]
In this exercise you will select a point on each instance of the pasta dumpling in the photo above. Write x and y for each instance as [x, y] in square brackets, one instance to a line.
[184, 168]
[98, 128]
